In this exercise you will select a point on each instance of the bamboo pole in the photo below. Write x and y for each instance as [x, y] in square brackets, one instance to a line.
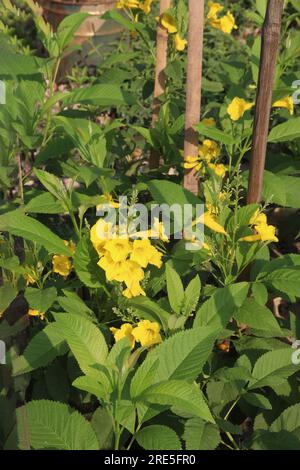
[160, 78]
[193, 91]
[267, 70]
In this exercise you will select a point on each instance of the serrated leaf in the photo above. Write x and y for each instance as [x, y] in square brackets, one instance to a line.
[199, 435]
[174, 288]
[158, 437]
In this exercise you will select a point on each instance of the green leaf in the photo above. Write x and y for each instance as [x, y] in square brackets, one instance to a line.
[218, 309]
[286, 281]
[191, 296]
[259, 317]
[68, 27]
[44, 203]
[40, 299]
[7, 295]
[213, 133]
[258, 401]
[44, 347]
[272, 368]
[90, 385]
[85, 341]
[260, 293]
[149, 310]
[200, 435]
[286, 132]
[99, 95]
[103, 426]
[52, 183]
[158, 437]
[289, 420]
[21, 225]
[85, 264]
[174, 288]
[51, 425]
[186, 397]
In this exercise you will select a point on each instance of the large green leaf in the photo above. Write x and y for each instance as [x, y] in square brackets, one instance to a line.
[218, 309]
[186, 397]
[45, 424]
[44, 347]
[21, 225]
[289, 420]
[199, 435]
[85, 341]
[174, 288]
[273, 368]
[158, 437]
[85, 264]
[258, 317]
[99, 95]
[285, 132]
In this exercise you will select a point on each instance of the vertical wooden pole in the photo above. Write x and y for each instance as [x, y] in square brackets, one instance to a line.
[193, 92]
[160, 78]
[267, 70]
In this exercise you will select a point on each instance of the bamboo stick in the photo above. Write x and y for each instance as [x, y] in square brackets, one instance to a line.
[193, 91]
[160, 78]
[267, 70]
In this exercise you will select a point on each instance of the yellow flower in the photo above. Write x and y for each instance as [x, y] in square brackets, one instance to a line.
[119, 248]
[169, 23]
[258, 218]
[29, 278]
[100, 233]
[144, 253]
[108, 201]
[192, 162]
[124, 331]
[286, 102]
[159, 231]
[208, 121]
[266, 232]
[209, 150]
[146, 6]
[209, 221]
[214, 9]
[127, 4]
[134, 290]
[227, 23]
[238, 107]
[147, 333]
[36, 313]
[179, 42]
[62, 265]
[71, 245]
[219, 169]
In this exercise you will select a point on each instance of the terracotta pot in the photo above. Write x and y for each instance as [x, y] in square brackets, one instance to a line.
[93, 32]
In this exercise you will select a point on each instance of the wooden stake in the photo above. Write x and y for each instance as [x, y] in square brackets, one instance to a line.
[160, 78]
[193, 92]
[267, 70]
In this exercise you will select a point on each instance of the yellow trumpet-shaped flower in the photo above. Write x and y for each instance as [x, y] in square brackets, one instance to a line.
[286, 102]
[258, 218]
[128, 4]
[144, 253]
[125, 331]
[147, 333]
[61, 265]
[134, 290]
[36, 313]
[192, 162]
[264, 232]
[180, 43]
[209, 221]
[219, 169]
[146, 6]
[209, 150]
[119, 248]
[169, 23]
[108, 201]
[237, 108]
[226, 23]
[214, 9]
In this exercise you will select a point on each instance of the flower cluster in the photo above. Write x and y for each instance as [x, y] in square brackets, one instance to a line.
[225, 23]
[168, 22]
[209, 152]
[147, 333]
[264, 232]
[238, 106]
[62, 264]
[123, 259]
